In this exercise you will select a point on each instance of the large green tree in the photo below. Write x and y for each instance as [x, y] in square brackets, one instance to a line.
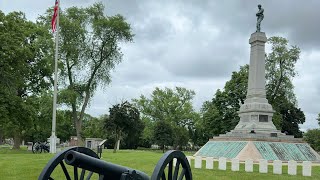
[220, 114]
[124, 120]
[94, 127]
[312, 136]
[89, 50]
[163, 134]
[280, 70]
[173, 106]
[25, 71]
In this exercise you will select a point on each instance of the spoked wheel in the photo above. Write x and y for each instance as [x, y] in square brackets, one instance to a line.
[36, 148]
[180, 170]
[46, 147]
[51, 169]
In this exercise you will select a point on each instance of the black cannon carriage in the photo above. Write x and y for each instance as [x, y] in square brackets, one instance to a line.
[88, 163]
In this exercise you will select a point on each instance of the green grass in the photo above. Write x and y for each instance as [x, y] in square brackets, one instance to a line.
[25, 165]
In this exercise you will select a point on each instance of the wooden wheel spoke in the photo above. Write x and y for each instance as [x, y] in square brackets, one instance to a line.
[101, 177]
[65, 171]
[82, 174]
[163, 176]
[183, 172]
[170, 170]
[176, 170]
[75, 172]
[89, 175]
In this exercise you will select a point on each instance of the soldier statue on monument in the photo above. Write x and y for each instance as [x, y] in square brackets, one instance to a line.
[260, 17]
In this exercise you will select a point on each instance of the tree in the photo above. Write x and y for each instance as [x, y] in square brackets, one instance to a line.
[65, 127]
[180, 137]
[291, 118]
[174, 106]
[39, 129]
[210, 121]
[42, 117]
[280, 68]
[123, 117]
[146, 138]
[163, 134]
[94, 127]
[220, 114]
[25, 71]
[312, 136]
[134, 135]
[89, 50]
[171, 105]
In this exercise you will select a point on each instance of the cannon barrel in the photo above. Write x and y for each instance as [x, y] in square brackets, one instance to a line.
[109, 170]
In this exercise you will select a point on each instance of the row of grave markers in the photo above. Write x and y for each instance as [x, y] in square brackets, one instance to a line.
[263, 165]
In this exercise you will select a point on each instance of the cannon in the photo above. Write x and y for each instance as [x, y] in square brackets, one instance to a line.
[86, 164]
[39, 147]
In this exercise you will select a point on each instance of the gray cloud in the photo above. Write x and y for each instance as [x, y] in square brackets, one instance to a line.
[197, 44]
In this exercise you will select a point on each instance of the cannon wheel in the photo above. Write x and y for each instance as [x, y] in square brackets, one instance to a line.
[36, 148]
[58, 160]
[45, 147]
[180, 171]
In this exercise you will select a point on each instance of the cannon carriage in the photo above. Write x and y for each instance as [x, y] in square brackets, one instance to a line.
[85, 163]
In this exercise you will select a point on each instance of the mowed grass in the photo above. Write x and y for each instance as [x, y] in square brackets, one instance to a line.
[25, 165]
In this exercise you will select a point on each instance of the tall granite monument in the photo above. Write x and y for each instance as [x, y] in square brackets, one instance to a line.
[256, 113]
[255, 136]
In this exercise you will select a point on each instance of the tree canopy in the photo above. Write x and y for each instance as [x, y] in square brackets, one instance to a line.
[220, 114]
[174, 106]
[124, 120]
[25, 72]
[312, 136]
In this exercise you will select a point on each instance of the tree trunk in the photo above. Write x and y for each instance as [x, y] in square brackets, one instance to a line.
[79, 120]
[16, 141]
[162, 148]
[116, 143]
[80, 141]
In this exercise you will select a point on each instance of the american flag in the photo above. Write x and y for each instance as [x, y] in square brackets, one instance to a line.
[54, 17]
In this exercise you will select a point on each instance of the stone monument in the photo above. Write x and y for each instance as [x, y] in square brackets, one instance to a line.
[256, 113]
[255, 136]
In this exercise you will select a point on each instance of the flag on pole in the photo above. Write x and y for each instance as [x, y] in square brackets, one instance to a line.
[54, 17]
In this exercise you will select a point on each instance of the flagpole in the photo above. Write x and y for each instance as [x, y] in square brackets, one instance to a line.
[53, 138]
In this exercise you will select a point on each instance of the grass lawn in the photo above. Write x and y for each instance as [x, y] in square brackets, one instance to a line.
[25, 165]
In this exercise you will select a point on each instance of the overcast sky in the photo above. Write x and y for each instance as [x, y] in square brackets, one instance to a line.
[198, 43]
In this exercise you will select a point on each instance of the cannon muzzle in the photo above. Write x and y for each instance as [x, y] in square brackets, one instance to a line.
[108, 170]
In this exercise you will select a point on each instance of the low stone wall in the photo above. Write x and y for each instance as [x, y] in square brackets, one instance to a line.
[263, 165]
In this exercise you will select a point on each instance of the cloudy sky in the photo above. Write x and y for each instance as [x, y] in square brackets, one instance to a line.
[198, 43]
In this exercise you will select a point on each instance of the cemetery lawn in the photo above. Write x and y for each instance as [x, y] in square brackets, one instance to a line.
[25, 165]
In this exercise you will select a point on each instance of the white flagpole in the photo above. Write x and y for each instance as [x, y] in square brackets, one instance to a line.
[53, 138]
